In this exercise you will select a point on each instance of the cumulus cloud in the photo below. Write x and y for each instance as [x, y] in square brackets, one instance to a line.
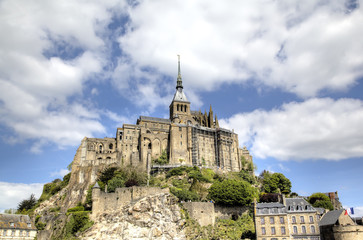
[13, 193]
[301, 47]
[319, 128]
[48, 53]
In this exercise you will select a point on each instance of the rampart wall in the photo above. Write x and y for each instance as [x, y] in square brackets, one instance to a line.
[348, 232]
[106, 202]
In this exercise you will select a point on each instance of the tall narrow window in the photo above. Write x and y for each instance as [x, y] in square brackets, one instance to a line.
[283, 230]
[282, 220]
[311, 219]
[272, 220]
[312, 228]
[293, 219]
[262, 220]
[303, 229]
[295, 229]
[263, 230]
[273, 231]
[302, 220]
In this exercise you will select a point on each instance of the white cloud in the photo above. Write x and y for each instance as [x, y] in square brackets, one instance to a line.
[13, 193]
[40, 73]
[300, 47]
[60, 173]
[315, 129]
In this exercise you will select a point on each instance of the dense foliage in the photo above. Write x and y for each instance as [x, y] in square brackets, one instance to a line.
[241, 228]
[232, 192]
[121, 177]
[320, 200]
[54, 187]
[162, 160]
[276, 183]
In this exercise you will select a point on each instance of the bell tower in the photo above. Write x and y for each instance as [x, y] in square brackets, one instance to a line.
[180, 106]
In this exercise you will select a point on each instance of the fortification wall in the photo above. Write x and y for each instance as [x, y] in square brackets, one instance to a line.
[223, 212]
[106, 202]
[202, 212]
[348, 232]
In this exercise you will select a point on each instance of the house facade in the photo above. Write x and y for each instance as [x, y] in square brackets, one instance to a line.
[16, 226]
[293, 218]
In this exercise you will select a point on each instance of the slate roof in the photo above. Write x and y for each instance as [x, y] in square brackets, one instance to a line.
[272, 208]
[269, 205]
[20, 221]
[180, 96]
[320, 210]
[298, 205]
[331, 217]
[155, 119]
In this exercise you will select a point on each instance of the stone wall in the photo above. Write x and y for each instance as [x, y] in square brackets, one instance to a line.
[223, 212]
[348, 232]
[106, 202]
[205, 213]
[202, 212]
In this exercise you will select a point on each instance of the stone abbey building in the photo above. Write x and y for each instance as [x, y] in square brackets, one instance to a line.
[187, 137]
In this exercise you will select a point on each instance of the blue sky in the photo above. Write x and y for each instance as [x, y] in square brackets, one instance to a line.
[287, 76]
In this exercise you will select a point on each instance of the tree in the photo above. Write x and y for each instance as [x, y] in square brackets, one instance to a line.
[232, 192]
[276, 183]
[27, 204]
[248, 177]
[320, 200]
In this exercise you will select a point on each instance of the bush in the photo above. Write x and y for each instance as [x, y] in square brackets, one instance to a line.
[78, 222]
[163, 159]
[114, 183]
[179, 171]
[125, 177]
[75, 209]
[232, 192]
[184, 195]
[320, 200]
[247, 176]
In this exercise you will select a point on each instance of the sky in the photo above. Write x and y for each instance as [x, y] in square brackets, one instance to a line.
[286, 75]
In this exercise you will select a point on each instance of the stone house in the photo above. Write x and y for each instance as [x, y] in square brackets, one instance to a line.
[336, 225]
[293, 218]
[16, 226]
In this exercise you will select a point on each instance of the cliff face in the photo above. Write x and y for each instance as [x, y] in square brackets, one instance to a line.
[152, 217]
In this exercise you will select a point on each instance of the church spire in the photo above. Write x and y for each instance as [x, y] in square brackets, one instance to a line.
[179, 84]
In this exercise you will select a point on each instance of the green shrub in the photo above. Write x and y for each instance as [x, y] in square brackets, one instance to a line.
[320, 200]
[163, 159]
[114, 178]
[115, 182]
[232, 192]
[75, 209]
[179, 171]
[78, 222]
[184, 195]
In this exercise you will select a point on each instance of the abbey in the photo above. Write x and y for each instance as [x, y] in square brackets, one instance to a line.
[187, 137]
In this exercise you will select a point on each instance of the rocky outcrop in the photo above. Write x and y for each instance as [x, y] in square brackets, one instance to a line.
[152, 217]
